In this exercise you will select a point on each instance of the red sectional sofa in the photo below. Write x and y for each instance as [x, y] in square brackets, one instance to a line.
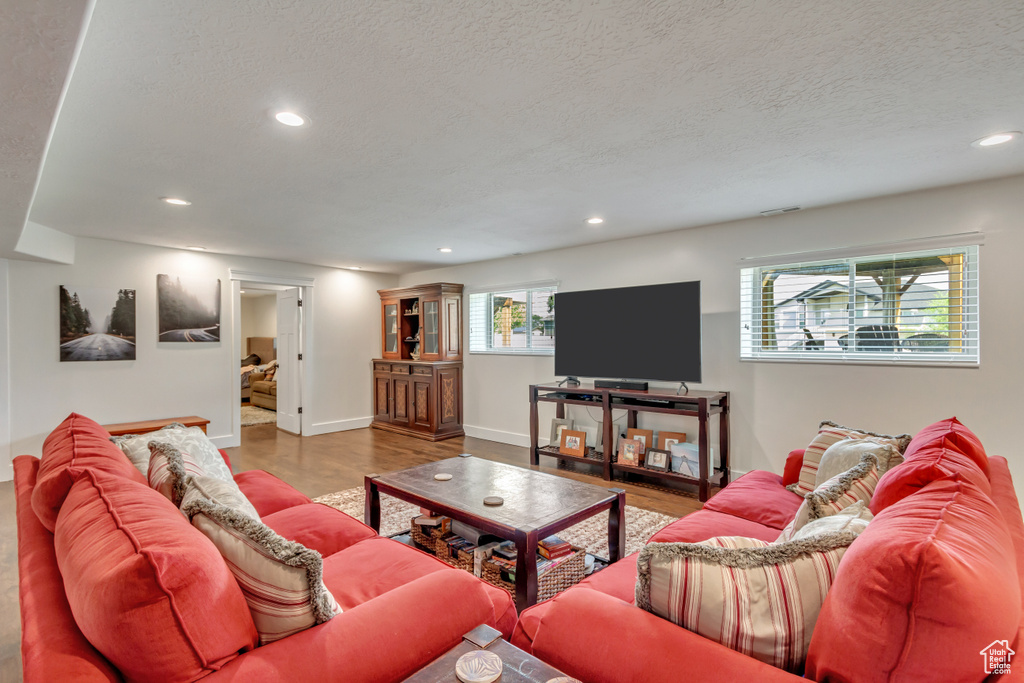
[934, 579]
[399, 612]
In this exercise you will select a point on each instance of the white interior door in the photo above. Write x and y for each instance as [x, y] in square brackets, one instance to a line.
[289, 374]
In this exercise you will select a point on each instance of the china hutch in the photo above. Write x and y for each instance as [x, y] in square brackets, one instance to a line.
[417, 381]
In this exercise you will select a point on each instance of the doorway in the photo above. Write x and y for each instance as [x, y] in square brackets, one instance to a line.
[281, 305]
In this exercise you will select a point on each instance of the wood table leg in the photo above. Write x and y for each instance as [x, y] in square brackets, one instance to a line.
[617, 526]
[526, 568]
[371, 515]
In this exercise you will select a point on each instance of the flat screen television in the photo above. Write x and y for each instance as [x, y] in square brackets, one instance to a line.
[650, 332]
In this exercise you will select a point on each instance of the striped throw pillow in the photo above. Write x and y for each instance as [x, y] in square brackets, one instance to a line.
[757, 598]
[830, 433]
[170, 470]
[282, 580]
[857, 484]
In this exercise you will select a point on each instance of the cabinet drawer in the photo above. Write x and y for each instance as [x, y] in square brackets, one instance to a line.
[397, 369]
[421, 370]
[382, 367]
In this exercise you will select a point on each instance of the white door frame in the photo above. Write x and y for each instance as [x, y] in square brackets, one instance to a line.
[305, 285]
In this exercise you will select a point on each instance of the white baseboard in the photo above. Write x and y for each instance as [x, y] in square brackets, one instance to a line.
[227, 440]
[7, 470]
[338, 426]
[510, 438]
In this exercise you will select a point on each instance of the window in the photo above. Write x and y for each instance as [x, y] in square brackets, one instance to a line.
[916, 307]
[514, 320]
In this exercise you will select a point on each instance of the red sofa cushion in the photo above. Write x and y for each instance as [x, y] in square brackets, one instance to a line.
[76, 445]
[794, 461]
[758, 496]
[149, 592]
[379, 565]
[617, 579]
[320, 527]
[704, 524]
[929, 583]
[944, 450]
[950, 432]
[52, 646]
[267, 493]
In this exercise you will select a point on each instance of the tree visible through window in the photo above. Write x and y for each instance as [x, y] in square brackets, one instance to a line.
[513, 321]
[912, 307]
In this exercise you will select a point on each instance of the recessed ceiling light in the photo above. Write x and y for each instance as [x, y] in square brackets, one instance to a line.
[996, 139]
[176, 201]
[355, 267]
[595, 220]
[196, 248]
[445, 250]
[289, 118]
[241, 291]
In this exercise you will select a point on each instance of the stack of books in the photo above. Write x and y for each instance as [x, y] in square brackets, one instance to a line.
[426, 522]
[553, 548]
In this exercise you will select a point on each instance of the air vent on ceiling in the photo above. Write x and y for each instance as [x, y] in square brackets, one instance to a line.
[776, 212]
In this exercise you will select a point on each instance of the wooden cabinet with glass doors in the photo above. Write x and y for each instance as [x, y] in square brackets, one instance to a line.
[417, 381]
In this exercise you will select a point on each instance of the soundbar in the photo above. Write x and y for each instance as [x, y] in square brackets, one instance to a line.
[630, 385]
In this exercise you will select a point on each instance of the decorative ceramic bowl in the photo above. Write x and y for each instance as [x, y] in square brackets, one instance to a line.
[479, 666]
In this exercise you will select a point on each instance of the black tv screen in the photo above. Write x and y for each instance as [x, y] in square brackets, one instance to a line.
[648, 333]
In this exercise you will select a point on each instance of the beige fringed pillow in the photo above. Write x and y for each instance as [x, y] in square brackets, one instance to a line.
[220, 492]
[857, 484]
[282, 580]
[828, 434]
[757, 598]
[170, 471]
[842, 455]
[854, 519]
[192, 440]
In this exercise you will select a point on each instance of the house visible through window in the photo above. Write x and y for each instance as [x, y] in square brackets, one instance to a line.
[910, 307]
[513, 321]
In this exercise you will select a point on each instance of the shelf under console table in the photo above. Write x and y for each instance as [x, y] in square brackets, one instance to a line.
[699, 404]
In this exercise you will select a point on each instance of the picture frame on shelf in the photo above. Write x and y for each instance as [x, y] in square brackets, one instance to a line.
[666, 439]
[657, 459]
[629, 452]
[644, 436]
[574, 442]
[558, 425]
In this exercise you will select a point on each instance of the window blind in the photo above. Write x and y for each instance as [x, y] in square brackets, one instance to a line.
[913, 308]
[513, 321]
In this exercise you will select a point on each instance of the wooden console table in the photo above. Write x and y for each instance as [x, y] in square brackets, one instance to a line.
[699, 404]
[145, 426]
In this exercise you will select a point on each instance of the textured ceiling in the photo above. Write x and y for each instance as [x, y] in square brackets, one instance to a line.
[496, 127]
[37, 41]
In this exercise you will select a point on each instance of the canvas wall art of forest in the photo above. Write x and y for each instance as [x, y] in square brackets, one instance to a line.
[97, 323]
[188, 309]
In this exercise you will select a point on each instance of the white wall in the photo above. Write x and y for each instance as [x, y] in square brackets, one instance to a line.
[777, 406]
[259, 319]
[167, 379]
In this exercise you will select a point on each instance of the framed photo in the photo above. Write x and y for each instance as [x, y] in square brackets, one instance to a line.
[97, 323]
[657, 459]
[629, 452]
[573, 442]
[644, 436]
[666, 439]
[558, 425]
[188, 309]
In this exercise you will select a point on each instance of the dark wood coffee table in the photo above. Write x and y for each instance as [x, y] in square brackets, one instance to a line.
[517, 666]
[536, 506]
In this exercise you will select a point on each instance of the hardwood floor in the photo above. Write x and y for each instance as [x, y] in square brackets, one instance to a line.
[318, 465]
[331, 462]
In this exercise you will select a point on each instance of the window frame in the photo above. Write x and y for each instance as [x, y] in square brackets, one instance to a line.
[752, 347]
[486, 347]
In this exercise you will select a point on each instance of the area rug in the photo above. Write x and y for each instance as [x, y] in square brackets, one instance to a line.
[591, 534]
[254, 415]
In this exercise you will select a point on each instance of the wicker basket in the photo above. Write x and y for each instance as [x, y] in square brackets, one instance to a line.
[462, 559]
[434, 539]
[550, 582]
